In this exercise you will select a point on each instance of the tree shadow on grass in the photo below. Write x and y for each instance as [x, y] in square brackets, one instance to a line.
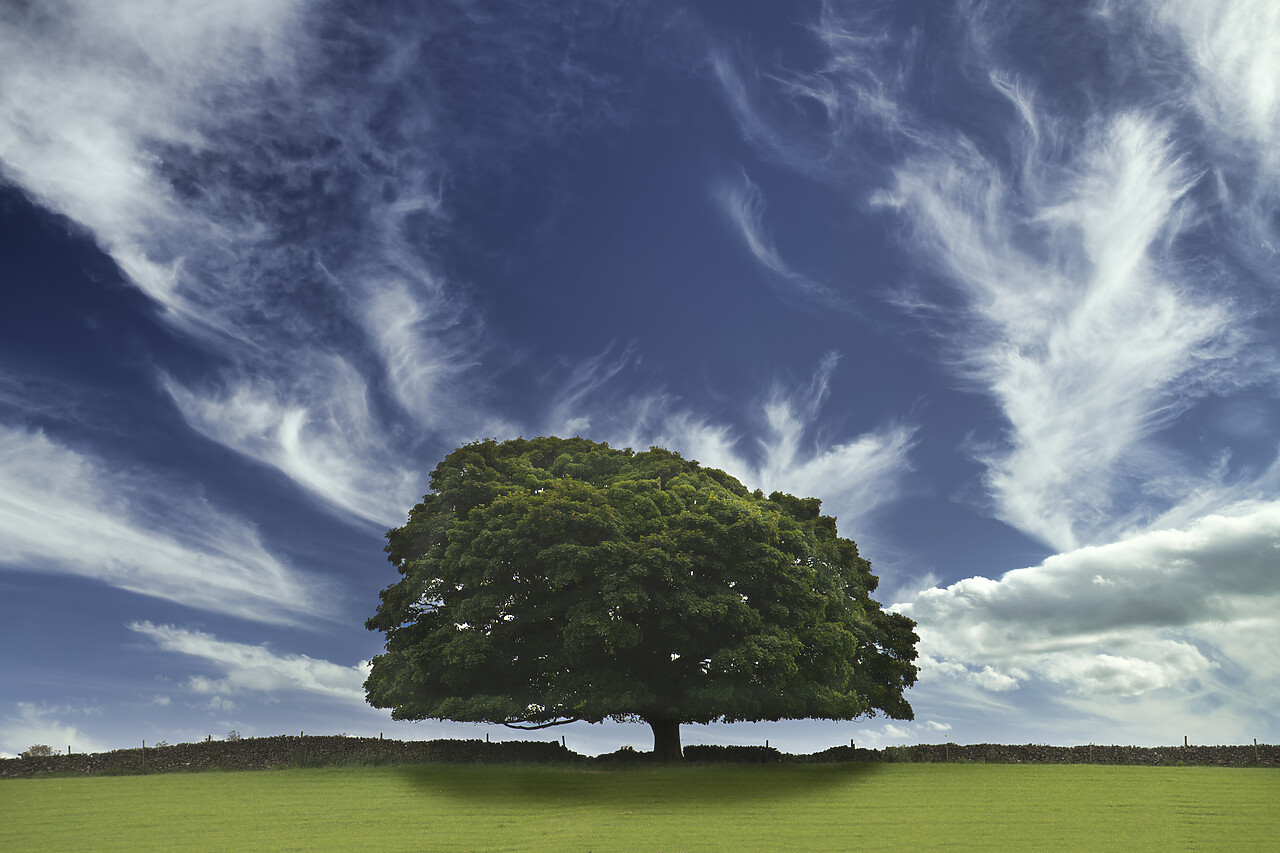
[585, 784]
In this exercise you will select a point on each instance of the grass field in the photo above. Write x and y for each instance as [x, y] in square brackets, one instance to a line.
[692, 808]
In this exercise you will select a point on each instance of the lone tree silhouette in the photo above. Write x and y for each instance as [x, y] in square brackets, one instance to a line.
[550, 581]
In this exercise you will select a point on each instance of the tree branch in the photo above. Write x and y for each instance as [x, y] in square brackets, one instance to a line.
[544, 725]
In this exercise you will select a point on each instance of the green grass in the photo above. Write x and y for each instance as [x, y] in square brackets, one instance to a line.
[723, 807]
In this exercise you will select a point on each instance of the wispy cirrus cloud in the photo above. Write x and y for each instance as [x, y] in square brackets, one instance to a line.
[318, 431]
[67, 513]
[1234, 48]
[1231, 50]
[116, 84]
[784, 449]
[244, 668]
[1072, 298]
[744, 206]
[1075, 319]
[1091, 263]
[279, 212]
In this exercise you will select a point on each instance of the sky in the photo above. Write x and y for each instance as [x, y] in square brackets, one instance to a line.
[997, 281]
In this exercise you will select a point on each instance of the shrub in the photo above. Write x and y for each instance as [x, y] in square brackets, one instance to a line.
[38, 750]
[733, 754]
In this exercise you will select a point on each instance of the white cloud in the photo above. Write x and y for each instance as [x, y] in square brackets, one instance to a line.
[1081, 311]
[857, 89]
[744, 206]
[64, 512]
[407, 330]
[888, 734]
[30, 724]
[570, 411]
[855, 479]
[754, 124]
[95, 88]
[1229, 86]
[1234, 48]
[204, 150]
[319, 432]
[1176, 618]
[255, 669]
[1075, 323]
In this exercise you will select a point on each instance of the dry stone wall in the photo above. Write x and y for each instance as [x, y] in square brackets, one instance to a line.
[316, 751]
[287, 751]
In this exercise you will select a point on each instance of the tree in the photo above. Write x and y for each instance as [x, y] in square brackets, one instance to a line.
[549, 581]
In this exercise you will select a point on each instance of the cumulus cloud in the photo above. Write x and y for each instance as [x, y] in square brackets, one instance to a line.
[64, 512]
[885, 734]
[1160, 614]
[29, 724]
[255, 669]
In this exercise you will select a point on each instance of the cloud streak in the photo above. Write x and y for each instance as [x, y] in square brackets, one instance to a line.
[322, 435]
[743, 205]
[256, 669]
[1075, 321]
[855, 479]
[1070, 293]
[277, 216]
[67, 513]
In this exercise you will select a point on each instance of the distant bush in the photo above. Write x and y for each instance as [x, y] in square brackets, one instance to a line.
[733, 754]
[626, 755]
[233, 736]
[897, 754]
[38, 750]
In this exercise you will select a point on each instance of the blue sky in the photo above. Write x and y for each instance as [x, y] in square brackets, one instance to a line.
[996, 281]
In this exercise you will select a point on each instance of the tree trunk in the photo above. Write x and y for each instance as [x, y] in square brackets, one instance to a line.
[666, 739]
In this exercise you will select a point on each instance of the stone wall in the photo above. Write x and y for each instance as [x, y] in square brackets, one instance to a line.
[317, 751]
[1264, 755]
[288, 751]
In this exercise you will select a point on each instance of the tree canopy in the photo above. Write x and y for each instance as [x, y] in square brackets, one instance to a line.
[553, 580]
